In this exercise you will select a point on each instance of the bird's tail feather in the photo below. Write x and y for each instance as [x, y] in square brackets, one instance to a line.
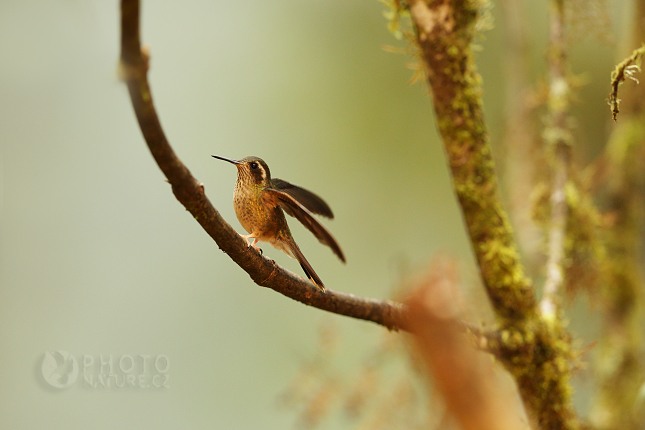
[309, 271]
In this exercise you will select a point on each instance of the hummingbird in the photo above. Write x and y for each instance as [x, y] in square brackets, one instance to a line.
[260, 203]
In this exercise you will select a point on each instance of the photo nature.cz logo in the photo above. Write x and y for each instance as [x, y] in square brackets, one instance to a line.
[61, 370]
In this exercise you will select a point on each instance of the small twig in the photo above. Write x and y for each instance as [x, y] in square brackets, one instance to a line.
[190, 193]
[625, 69]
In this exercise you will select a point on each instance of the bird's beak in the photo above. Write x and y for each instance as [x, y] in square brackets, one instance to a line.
[227, 159]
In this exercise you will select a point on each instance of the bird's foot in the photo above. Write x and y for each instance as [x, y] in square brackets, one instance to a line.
[248, 238]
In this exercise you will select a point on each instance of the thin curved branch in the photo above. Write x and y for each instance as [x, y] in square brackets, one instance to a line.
[190, 193]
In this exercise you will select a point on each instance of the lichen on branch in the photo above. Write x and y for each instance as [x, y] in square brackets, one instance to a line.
[444, 33]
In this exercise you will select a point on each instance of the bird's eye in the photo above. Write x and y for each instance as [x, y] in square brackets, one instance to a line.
[254, 165]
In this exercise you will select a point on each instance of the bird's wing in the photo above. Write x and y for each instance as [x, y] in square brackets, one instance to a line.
[294, 208]
[306, 198]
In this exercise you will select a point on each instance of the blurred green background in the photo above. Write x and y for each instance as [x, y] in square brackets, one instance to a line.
[98, 258]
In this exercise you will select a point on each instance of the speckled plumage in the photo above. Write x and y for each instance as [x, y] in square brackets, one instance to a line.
[265, 222]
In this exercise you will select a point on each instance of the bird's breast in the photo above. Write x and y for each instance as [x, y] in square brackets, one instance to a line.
[256, 216]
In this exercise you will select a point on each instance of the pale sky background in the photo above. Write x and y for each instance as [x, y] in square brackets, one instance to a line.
[97, 256]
